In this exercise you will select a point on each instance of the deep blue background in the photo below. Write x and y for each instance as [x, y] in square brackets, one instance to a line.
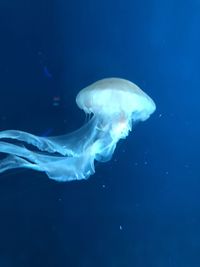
[141, 209]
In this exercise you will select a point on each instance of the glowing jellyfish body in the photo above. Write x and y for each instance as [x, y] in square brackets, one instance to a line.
[115, 104]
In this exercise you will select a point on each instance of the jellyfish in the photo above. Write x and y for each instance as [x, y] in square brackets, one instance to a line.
[114, 106]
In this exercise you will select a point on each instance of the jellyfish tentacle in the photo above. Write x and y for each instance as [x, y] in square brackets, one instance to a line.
[14, 162]
[42, 143]
[57, 167]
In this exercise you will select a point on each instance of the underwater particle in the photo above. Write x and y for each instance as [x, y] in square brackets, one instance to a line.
[47, 73]
[56, 101]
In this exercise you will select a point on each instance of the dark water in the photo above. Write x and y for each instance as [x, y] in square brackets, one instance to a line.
[142, 209]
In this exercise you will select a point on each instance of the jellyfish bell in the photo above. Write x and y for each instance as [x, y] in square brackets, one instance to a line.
[118, 100]
[115, 105]
[113, 96]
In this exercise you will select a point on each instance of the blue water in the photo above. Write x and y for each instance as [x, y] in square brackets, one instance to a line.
[142, 209]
